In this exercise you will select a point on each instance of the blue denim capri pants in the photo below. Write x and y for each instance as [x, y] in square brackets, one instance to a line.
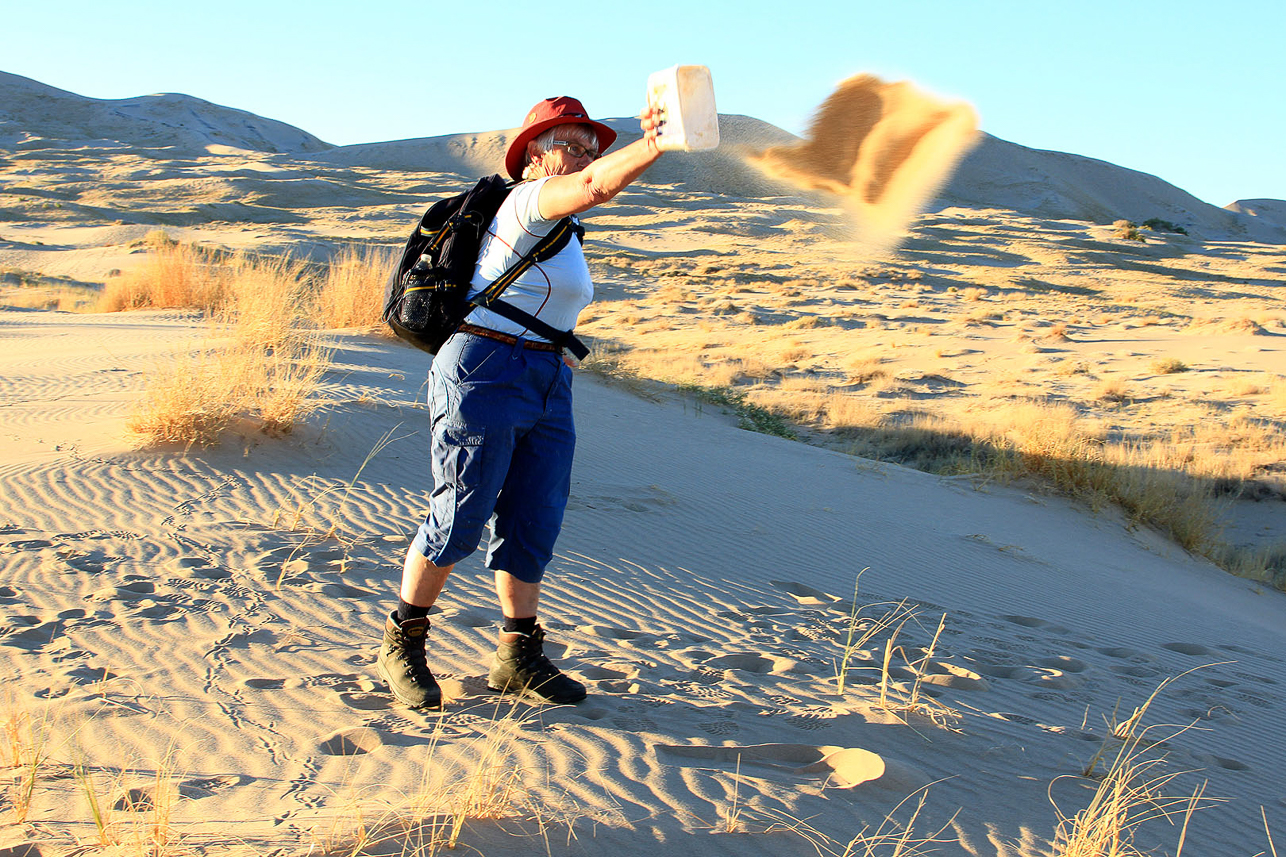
[503, 441]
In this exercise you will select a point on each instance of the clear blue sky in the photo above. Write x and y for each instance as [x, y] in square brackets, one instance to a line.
[1190, 91]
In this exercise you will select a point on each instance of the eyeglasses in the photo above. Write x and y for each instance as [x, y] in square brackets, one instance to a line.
[576, 150]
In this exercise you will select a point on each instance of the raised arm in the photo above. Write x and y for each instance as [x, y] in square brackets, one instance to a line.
[604, 178]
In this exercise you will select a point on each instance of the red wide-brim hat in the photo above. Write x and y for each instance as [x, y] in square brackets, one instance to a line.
[563, 110]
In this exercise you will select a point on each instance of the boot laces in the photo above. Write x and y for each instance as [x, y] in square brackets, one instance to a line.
[413, 655]
[531, 656]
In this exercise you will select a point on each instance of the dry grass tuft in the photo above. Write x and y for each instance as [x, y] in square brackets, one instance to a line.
[1131, 793]
[1112, 390]
[174, 275]
[485, 779]
[26, 739]
[1169, 366]
[268, 369]
[199, 394]
[892, 837]
[350, 294]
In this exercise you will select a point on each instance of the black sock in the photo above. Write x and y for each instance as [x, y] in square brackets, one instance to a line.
[525, 625]
[406, 611]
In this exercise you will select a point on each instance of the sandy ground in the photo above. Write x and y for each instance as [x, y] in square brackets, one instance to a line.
[213, 614]
[186, 611]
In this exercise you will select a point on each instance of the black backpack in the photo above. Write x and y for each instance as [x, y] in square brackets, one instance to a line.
[426, 298]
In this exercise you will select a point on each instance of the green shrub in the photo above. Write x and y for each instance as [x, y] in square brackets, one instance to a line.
[1156, 224]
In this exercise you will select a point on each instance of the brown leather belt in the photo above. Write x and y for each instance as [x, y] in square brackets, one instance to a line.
[488, 333]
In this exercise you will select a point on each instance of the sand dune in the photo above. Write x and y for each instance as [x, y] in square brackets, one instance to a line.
[1062, 186]
[38, 121]
[156, 602]
[34, 116]
[1270, 211]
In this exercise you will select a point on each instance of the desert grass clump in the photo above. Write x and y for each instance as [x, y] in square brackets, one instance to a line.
[268, 302]
[863, 628]
[488, 779]
[172, 275]
[1169, 366]
[23, 290]
[1127, 229]
[196, 396]
[27, 742]
[892, 837]
[263, 364]
[350, 292]
[1131, 792]
[751, 417]
[189, 400]
[1156, 224]
[1113, 390]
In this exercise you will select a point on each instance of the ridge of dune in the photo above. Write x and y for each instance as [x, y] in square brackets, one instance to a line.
[1064, 186]
[34, 116]
[996, 174]
[1269, 211]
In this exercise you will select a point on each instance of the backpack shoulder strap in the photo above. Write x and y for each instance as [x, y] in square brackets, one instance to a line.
[548, 247]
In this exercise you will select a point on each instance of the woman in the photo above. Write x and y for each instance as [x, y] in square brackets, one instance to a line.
[501, 406]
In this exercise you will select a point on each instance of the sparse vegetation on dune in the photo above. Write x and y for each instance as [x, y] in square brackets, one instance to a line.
[26, 290]
[173, 274]
[349, 293]
[265, 356]
[847, 355]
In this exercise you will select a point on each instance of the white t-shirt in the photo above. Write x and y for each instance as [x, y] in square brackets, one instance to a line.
[554, 291]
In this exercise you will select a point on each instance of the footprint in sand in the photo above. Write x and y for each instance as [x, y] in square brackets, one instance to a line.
[1194, 649]
[1046, 673]
[1127, 654]
[628, 636]
[202, 787]
[954, 677]
[1064, 663]
[608, 673]
[469, 619]
[1242, 650]
[341, 682]
[811, 720]
[351, 742]
[749, 662]
[1031, 622]
[31, 634]
[94, 562]
[29, 544]
[718, 727]
[199, 567]
[1212, 761]
[144, 798]
[1135, 671]
[805, 594]
[366, 701]
[85, 674]
[836, 767]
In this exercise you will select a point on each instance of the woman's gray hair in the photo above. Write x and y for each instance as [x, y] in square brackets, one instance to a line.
[545, 141]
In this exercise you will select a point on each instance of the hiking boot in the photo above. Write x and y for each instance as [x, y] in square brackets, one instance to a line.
[520, 665]
[403, 666]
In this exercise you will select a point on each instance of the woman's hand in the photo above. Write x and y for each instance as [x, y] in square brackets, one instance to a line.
[603, 179]
[651, 120]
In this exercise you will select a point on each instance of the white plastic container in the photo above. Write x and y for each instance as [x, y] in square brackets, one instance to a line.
[687, 95]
